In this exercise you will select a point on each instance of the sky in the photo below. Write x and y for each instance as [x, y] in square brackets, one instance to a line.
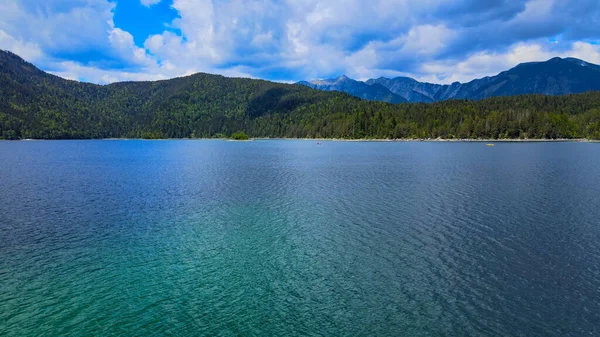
[439, 41]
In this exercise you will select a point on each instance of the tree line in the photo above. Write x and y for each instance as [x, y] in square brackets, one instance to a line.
[38, 105]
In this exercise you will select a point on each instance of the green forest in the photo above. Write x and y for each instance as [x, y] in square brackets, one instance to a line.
[34, 104]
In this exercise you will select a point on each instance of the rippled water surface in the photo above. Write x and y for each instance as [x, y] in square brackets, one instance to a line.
[290, 238]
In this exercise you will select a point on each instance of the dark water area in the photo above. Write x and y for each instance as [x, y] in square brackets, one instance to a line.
[289, 238]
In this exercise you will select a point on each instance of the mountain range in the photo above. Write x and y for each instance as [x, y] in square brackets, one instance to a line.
[557, 76]
[369, 91]
[38, 105]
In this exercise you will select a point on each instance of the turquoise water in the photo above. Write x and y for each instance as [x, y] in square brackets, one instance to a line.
[288, 238]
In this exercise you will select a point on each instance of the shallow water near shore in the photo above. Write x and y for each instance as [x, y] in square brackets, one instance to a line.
[291, 238]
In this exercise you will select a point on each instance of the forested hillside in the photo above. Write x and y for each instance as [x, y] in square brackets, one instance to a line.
[34, 104]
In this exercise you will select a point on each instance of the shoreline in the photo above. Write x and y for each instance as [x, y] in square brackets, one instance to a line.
[442, 140]
[403, 140]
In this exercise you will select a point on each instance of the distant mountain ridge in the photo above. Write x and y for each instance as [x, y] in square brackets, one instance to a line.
[370, 92]
[557, 76]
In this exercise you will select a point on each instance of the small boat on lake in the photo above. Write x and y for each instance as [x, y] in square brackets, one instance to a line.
[489, 144]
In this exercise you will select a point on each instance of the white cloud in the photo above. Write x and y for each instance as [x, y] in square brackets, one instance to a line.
[305, 38]
[122, 43]
[585, 51]
[149, 3]
[27, 50]
[536, 10]
[57, 26]
[488, 64]
[36, 31]
[76, 71]
[427, 39]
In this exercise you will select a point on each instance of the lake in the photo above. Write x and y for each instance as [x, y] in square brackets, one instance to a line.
[291, 238]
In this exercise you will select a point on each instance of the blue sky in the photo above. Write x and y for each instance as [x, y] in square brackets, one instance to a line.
[439, 41]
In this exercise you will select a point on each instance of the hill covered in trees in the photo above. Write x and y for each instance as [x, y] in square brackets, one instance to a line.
[34, 104]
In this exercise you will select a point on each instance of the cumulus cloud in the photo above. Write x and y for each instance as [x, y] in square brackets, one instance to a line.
[287, 40]
[122, 43]
[27, 50]
[313, 38]
[57, 26]
[50, 33]
[488, 63]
